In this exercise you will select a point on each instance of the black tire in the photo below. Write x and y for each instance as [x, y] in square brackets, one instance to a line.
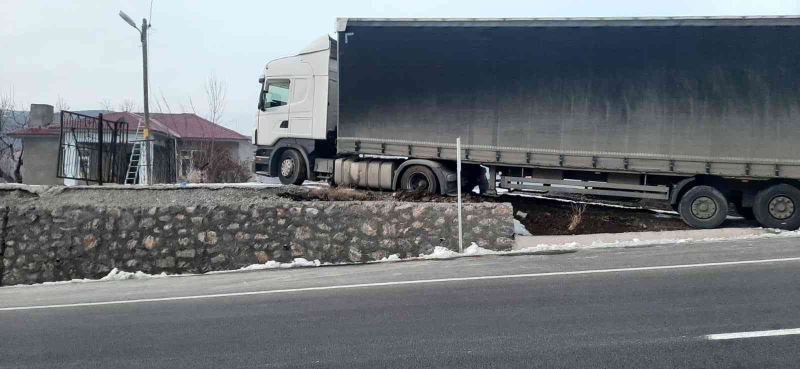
[778, 206]
[291, 168]
[418, 179]
[703, 207]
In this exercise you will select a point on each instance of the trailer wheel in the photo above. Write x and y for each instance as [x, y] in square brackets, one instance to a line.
[291, 168]
[419, 179]
[703, 207]
[778, 206]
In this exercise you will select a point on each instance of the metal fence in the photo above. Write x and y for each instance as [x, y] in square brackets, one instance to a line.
[164, 162]
[92, 149]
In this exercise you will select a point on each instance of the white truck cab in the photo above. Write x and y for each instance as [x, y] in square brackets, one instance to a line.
[295, 95]
[298, 105]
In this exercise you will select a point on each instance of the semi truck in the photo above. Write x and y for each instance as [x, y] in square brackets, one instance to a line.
[700, 112]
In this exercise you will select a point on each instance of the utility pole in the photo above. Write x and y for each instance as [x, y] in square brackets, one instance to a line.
[146, 132]
[148, 147]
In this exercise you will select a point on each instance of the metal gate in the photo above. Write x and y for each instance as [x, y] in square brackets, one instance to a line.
[92, 149]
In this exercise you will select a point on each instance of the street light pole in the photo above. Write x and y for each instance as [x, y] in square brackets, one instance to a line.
[146, 134]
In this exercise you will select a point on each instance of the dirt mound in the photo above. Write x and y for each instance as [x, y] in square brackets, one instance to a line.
[554, 217]
[331, 194]
[428, 197]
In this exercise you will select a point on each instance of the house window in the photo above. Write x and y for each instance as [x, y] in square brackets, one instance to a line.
[274, 94]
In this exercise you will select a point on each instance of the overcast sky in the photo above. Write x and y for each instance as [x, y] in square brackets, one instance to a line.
[81, 51]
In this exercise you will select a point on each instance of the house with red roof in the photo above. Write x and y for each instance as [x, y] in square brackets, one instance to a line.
[183, 144]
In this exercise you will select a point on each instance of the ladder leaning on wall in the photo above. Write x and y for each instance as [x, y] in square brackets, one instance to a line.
[135, 160]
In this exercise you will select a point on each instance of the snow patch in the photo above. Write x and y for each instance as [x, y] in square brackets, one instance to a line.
[114, 275]
[390, 258]
[440, 252]
[475, 250]
[272, 264]
[520, 230]
[635, 242]
[121, 275]
[572, 246]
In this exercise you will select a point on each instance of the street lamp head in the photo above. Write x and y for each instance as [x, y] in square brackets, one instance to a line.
[128, 20]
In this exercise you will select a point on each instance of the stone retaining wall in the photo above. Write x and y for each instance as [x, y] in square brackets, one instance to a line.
[47, 240]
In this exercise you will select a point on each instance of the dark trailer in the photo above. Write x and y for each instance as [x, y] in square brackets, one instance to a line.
[700, 111]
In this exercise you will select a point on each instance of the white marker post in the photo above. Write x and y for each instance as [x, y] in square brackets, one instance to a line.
[458, 188]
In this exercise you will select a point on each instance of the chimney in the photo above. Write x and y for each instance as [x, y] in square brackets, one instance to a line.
[41, 115]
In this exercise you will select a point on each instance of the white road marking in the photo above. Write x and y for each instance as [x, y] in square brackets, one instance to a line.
[398, 283]
[756, 334]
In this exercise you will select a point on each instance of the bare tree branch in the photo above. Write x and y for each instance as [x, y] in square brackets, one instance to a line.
[215, 96]
[11, 120]
[128, 106]
[164, 102]
[61, 104]
[106, 104]
[209, 158]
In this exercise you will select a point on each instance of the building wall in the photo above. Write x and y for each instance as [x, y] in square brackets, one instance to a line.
[231, 146]
[247, 151]
[40, 161]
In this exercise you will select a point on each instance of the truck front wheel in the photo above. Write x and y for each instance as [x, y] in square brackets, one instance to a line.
[703, 207]
[778, 206]
[291, 168]
[418, 178]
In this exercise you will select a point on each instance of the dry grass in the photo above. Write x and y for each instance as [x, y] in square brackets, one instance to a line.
[195, 176]
[576, 214]
[347, 194]
[338, 194]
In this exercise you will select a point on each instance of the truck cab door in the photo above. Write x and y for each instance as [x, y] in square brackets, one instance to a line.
[273, 116]
[301, 107]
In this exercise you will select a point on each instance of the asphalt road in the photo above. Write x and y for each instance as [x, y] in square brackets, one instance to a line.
[580, 310]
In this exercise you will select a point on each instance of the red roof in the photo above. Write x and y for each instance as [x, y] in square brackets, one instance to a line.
[46, 131]
[185, 126]
[182, 126]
